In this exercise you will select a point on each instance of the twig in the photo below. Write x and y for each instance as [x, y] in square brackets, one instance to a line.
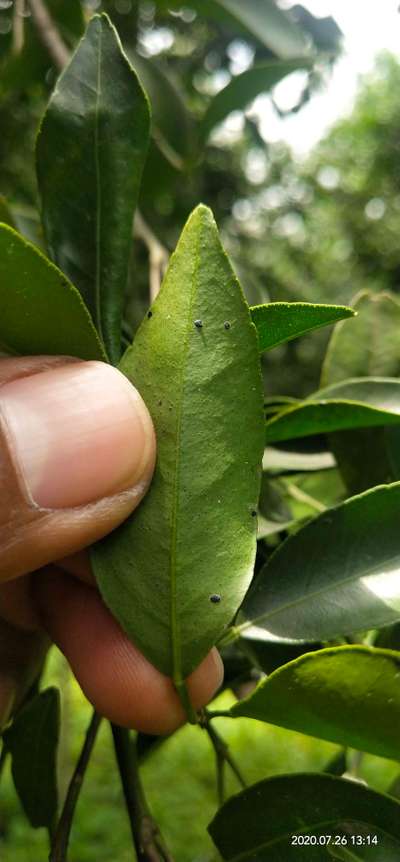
[48, 33]
[158, 254]
[18, 26]
[222, 752]
[147, 839]
[3, 758]
[302, 497]
[61, 838]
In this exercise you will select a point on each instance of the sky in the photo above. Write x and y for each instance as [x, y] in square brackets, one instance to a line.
[369, 27]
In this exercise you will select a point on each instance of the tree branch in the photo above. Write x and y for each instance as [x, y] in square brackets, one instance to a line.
[158, 254]
[222, 752]
[61, 838]
[147, 839]
[18, 26]
[48, 34]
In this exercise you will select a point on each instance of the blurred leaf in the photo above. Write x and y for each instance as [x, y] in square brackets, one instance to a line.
[91, 149]
[349, 695]
[243, 89]
[277, 461]
[268, 655]
[324, 32]
[336, 575]
[32, 741]
[40, 310]
[257, 824]
[278, 322]
[6, 216]
[194, 534]
[337, 765]
[359, 403]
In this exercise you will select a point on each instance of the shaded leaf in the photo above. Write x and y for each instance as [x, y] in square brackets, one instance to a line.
[32, 741]
[278, 322]
[40, 310]
[277, 461]
[6, 216]
[359, 403]
[242, 89]
[349, 695]
[347, 580]
[91, 150]
[194, 534]
[258, 823]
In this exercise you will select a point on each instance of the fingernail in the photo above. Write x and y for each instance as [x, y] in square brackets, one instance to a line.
[77, 433]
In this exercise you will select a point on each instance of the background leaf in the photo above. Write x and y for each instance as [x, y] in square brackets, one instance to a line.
[359, 403]
[336, 575]
[194, 534]
[90, 154]
[336, 694]
[40, 310]
[277, 322]
[257, 824]
[32, 741]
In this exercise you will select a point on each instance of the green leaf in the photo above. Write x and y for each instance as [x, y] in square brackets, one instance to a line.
[347, 580]
[32, 741]
[257, 824]
[40, 310]
[194, 534]
[349, 695]
[6, 216]
[359, 403]
[277, 461]
[242, 89]
[278, 322]
[260, 19]
[91, 150]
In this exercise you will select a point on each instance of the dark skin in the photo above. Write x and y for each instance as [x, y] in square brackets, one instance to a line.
[47, 590]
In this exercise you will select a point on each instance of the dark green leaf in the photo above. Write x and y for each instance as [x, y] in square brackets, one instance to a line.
[32, 741]
[40, 311]
[257, 824]
[277, 322]
[6, 216]
[91, 150]
[349, 695]
[194, 535]
[347, 579]
[241, 90]
[359, 403]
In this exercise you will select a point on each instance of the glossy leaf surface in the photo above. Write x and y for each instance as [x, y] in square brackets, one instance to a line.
[91, 150]
[244, 88]
[359, 403]
[40, 311]
[336, 575]
[195, 361]
[32, 741]
[257, 824]
[349, 695]
[278, 322]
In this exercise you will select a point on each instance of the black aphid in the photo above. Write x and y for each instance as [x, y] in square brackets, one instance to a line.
[198, 324]
[227, 324]
[149, 314]
[215, 599]
[254, 513]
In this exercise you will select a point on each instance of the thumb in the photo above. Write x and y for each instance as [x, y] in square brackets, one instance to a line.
[77, 451]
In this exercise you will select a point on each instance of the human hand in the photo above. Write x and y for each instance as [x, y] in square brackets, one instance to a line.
[77, 452]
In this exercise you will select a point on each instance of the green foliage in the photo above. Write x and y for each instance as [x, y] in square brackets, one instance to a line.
[32, 741]
[194, 360]
[305, 805]
[335, 694]
[40, 310]
[90, 153]
[278, 322]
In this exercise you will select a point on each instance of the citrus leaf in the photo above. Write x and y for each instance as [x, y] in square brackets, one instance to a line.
[347, 580]
[177, 570]
[277, 461]
[32, 741]
[278, 322]
[243, 88]
[91, 149]
[40, 310]
[6, 216]
[349, 695]
[359, 403]
[258, 824]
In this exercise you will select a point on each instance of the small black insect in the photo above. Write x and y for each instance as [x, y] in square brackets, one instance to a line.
[215, 599]
[198, 324]
[254, 513]
[149, 314]
[227, 324]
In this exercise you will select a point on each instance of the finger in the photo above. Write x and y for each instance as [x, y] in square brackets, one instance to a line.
[114, 675]
[77, 452]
